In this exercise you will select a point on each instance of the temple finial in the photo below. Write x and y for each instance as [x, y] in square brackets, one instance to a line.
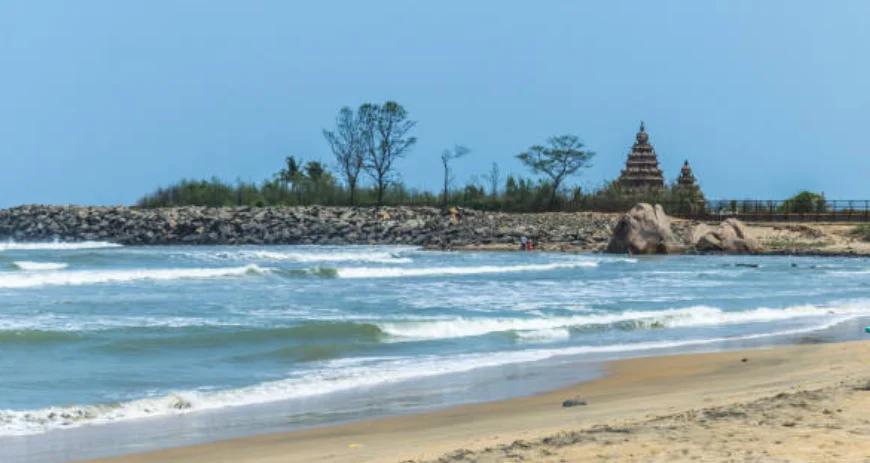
[641, 126]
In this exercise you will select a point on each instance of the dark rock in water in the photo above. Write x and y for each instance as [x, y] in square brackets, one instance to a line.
[574, 403]
[747, 265]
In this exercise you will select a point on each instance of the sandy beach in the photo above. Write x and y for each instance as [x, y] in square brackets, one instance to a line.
[787, 404]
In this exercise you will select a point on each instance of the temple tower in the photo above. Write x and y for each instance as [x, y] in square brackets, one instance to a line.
[642, 172]
[687, 188]
[686, 178]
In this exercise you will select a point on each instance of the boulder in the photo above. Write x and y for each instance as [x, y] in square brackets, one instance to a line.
[643, 230]
[730, 237]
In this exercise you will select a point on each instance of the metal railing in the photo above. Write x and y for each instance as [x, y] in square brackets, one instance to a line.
[773, 210]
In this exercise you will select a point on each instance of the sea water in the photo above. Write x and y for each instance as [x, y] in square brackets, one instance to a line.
[107, 349]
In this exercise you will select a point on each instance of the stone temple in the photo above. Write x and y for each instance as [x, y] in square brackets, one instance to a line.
[686, 178]
[687, 186]
[642, 172]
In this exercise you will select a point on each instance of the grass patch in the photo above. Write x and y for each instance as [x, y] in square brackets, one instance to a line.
[862, 232]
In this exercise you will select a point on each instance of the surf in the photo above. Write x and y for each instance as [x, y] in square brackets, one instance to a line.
[56, 246]
[404, 272]
[91, 277]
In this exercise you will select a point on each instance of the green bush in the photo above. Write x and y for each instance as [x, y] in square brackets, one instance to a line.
[804, 202]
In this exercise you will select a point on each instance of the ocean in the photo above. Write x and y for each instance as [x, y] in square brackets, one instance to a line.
[107, 350]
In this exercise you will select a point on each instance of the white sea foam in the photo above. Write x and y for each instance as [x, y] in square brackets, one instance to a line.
[332, 377]
[697, 316]
[545, 335]
[88, 277]
[400, 272]
[374, 257]
[56, 246]
[40, 266]
[848, 273]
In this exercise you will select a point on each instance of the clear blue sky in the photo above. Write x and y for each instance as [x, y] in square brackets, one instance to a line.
[102, 100]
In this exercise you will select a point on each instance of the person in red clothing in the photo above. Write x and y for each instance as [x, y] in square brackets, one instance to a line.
[530, 245]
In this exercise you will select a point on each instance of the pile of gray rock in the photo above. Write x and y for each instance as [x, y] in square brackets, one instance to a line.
[431, 227]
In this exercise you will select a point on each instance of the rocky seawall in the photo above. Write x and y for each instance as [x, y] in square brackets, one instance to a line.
[429, 227]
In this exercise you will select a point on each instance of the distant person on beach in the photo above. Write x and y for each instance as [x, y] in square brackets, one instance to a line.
[530, 245]
[523, 243]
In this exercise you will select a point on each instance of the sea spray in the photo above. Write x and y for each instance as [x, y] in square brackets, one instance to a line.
[56, 246]
[404, 272]
[89, 277]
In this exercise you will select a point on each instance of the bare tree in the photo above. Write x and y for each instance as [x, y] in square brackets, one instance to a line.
[385, 131]
[457, 152]
[494, 179]
[346, 143]
[562, 158]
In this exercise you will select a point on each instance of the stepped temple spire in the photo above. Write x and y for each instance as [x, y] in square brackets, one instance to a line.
[687, 187]
[642, 170]
[686, 178]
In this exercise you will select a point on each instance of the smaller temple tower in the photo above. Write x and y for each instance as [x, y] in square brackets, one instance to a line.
[686, 179]
[642, 172]
[687, 187]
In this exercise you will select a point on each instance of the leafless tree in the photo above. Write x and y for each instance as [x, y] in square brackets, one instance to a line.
[494, 179]
[385, 131]
[457, 152]
[347, 145]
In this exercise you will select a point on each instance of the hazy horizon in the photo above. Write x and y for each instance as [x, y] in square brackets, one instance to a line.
[104, 102]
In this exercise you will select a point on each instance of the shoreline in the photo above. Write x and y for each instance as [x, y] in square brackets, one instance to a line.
[634, 393]
[430, 228]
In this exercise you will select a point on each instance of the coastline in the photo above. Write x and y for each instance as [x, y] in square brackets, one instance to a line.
[782, 387]
[454, 229]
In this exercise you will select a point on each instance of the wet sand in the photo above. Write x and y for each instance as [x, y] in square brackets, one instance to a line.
[787, 404]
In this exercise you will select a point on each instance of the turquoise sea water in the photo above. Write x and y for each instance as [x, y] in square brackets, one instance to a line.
[107, 349]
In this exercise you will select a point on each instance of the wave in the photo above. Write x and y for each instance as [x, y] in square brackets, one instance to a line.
[56, 246]
[848, 273]
[317, 332]
[37, 337]
[333, 376]
[544, 335]
[88, 277]
[375, 257]
[402, 272]
[40, 266]
[554, 327]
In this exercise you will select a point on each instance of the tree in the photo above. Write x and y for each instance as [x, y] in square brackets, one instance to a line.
[457, 152]
[290, 173]
[562, 158]
[805, 202]
[314, 170]
[346, 143]
[385, 131]
[494, 178]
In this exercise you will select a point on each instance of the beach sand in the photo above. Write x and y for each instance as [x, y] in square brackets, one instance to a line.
[806, 403]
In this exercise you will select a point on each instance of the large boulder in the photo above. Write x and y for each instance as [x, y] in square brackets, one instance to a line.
[643, 230]
[730, 237]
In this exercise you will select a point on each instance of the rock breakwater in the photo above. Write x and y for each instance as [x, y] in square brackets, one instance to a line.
[430, 227]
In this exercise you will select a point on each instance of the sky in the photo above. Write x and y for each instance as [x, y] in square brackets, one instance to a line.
[103, 101]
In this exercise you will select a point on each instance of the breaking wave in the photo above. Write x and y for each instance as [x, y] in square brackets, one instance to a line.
[89, 277]
[401, 272]
[555, 328]
[56, 246]
[374, 257]
[40, 266]
[333, 376]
